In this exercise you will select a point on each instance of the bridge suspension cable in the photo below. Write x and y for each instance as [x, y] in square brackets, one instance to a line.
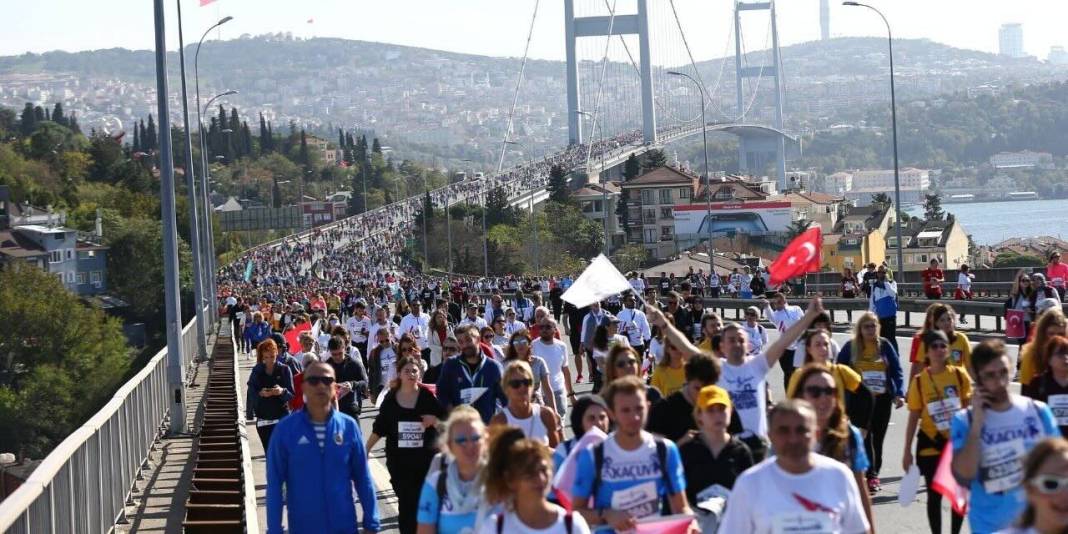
[518, 86]
[600, 88]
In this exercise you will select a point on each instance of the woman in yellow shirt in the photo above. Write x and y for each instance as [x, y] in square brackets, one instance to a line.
[1050, 323]
[668, 375]
[711, 324]
[817, 345]
[934, 396]
[943, 318]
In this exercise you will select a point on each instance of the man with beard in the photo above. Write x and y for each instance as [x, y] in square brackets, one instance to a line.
[796, 487]
[470, 377]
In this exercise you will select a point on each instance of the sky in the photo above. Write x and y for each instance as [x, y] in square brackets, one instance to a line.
[499, 27]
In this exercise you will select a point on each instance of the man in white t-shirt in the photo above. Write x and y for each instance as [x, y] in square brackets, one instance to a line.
[359, 326]
[783, 316]
[634, 324]
[554, 352]
[796, 490]
[472, 318]
[744, 377]
[381, 322]
[417, 324]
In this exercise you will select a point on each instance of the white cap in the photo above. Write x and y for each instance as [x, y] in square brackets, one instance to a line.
[1045, 304]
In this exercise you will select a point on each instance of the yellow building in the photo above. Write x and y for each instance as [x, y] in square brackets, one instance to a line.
[858, 239]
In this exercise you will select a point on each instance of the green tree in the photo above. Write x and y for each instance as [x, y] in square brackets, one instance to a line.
[57, 114]
[630, 258]
[53, 374]
[653, 159]
[27, 120]
[1013, 259]
[557, 186]
[797, 227]
[631, 168]
[932, 207]
[497, 209]
[881, 199]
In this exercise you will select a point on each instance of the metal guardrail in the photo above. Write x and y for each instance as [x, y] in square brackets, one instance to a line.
[915, 289]
[84, 484]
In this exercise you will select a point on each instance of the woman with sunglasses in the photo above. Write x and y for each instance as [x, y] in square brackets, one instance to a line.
[589, 411]
[486, 337]
[624, 361]
[669, 375]
[875, 359]
[537, 422]
[408, 421]
[452, 493]
[1022, 298]
[517, 479]
[1051, 387]
[835, 437]
[500, 336]
[934, 396]
[944, 318]
[1050, 323]
[1045, 473]
[817, 347]
[518, 348]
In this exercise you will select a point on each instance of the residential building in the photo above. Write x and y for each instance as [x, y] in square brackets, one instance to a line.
[945, 240]
[815, 207]
[597, 201]
[651, 200]
[1010, 40]
[857, 239]
[1021, 160]
[915, 183]
[320, 146]
[38, 238]
[838, 183]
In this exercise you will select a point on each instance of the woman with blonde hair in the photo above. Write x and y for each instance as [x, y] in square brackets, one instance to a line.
[518, 348]
[1032, 360]
[1022, 298]
[408, 421]
[517, 477]
[625, 361]
[452, 492]
[1045, 475]
[537, 422]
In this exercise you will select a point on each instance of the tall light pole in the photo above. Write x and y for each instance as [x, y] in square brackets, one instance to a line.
[172, 301]
[601, 179]
[893, 123]
[208, 240]
[191, 194]
[485, 234]
[708, 177]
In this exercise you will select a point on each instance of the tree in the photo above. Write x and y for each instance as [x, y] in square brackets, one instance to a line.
[654, 158]
[557, 186]
[27, 120]
[497, 209]
[57, 114]
[376, 148]
[265, 140]
[797, 228]
[631, 168]
[630, 258]
[881, 199]
[623, 210]
[151, 138]
[53, 374]
[932, 207]
[303, 157]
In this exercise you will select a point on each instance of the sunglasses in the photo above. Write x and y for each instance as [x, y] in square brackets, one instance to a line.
[319, 380]
[520, 342]
[1049, 484]
[463, 440]
[816, 391]
[520, 383]
[487, 336]
[626, 362]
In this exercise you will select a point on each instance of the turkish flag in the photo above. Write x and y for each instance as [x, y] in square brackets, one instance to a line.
[205, 2]
[1014, 324]
[946, 484]
[674, 524]
[801, 256]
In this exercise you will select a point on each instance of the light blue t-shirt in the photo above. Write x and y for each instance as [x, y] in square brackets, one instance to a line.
[561, 452]
[997, 497]
[860, 463]
[441, 515]
[630, 480]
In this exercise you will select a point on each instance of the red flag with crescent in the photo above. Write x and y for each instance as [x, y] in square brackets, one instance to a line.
[1014, 324]
[801, 256]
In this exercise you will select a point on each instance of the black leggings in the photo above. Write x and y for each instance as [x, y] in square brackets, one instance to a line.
[927, 466]
[786, 362]
[880, 421]
[407, 482]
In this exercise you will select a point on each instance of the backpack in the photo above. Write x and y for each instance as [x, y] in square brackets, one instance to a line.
[440, 486]
[661, 457]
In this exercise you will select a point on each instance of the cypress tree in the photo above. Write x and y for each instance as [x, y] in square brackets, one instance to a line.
[303, 155]
[136, 146]
[39, 114]
[27, 121]
[57, 114]
[376, 148]
[265, 143]
[153, 142]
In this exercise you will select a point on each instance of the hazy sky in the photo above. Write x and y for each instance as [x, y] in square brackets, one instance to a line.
[499, 27]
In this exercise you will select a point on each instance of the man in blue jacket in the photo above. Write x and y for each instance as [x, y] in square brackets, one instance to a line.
[317, 455]
[883, 302]
[471, 377]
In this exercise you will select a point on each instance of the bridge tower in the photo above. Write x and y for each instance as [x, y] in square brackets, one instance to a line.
[754, 152]
[598, 26]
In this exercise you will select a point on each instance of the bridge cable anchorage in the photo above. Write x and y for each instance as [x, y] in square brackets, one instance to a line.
[600, 89]
[518, 86]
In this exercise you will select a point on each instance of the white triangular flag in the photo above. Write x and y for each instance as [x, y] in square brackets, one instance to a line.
[599, 281]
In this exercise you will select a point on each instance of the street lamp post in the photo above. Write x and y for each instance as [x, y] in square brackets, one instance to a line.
[208, 239]
[171, 298]
[602, 180]
[893, 123]
[708, 177]
[194, 222]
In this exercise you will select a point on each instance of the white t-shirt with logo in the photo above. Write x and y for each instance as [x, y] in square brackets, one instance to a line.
[512, 524]
[768, 500]
[746, 384]
[356, 328]
[785, 318]
[555, 356]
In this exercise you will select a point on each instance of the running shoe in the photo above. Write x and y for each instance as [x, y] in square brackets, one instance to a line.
[874, 485]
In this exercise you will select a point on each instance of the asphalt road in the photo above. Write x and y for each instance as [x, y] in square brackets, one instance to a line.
[890, 517]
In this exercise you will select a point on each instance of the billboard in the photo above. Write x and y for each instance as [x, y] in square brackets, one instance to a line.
[726, 218]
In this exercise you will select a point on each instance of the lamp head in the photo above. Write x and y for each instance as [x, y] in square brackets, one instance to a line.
[850, 3]
[224, 20]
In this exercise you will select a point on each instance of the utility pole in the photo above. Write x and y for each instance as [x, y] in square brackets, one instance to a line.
[172, 302]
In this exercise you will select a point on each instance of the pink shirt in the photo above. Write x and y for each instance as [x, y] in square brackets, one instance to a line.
[1057, 273]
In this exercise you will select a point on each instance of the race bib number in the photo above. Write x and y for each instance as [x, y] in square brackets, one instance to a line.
[941, 412]
[470, 395]
[875, 381]
[640, 500]
[1001, 468]
[803, 522]
[1059, 405]
[409, 434]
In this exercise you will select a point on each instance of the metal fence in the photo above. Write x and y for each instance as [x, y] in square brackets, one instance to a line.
[83, 485]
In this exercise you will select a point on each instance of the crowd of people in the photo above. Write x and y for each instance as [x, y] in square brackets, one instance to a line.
[470, 384]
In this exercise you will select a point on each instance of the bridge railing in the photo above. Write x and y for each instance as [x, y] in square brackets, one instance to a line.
[84, 484]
